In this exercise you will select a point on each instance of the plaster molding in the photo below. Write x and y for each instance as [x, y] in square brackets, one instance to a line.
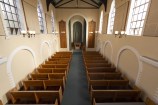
[10, 59]
[105, 44]
[138, 57]
[41, 49]
[3, 60]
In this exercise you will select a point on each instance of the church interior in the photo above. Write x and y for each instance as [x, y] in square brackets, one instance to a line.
[76, 52]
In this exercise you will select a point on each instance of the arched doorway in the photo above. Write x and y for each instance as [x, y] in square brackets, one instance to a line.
[77, 31]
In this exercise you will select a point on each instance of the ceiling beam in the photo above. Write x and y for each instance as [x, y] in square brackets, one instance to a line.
[77, 8]
[89, 3]
[58, 2]
[95, 2]
[64, 3]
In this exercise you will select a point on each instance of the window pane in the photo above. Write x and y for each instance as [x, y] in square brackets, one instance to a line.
[6, 23]
[11, 2]
[141, 8]
[16, 24]
[140, 16]
[11, 24]
[13, 9]
[7, 8]
[6, 1]
[146, 7]
[9, 16]
[4, 15]
[2, 6]
[15, 18]
[144, 14]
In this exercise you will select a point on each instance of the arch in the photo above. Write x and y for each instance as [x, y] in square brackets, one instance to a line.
[82, 28]
[98, 45]
[138, 57]
[104, 45]
[55, 42]
[41, 48]
[67, 30]
[10, 59]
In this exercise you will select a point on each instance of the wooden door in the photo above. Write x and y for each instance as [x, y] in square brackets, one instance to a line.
[62, 33]
[91, 34]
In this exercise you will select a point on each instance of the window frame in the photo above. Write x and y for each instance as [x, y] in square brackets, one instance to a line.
[39, 4]
[21, 20]
[101, 22]
[111, 18]
[132, 7]
[12, 24]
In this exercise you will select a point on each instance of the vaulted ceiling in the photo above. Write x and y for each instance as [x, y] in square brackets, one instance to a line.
[77, 4]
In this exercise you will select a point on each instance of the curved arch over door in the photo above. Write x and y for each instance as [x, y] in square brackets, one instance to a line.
[77, 32]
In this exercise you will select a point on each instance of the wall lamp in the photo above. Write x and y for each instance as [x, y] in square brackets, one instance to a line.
[120, 34]
[28, 33]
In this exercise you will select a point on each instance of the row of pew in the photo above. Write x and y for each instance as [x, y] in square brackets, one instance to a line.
[107, 85]
[45, 85]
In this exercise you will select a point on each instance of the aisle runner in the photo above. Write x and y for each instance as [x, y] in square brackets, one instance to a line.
[76, 90]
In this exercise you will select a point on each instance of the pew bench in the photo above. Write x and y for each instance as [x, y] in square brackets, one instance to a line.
[43, 85]
[51, 76]
[91, 65]
[101, 69]
[109, 84]
[104, 76]
[36, 97]
[102, 96]
[50, 70]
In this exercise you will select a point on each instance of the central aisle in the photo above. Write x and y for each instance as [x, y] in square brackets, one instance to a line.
[76, 89]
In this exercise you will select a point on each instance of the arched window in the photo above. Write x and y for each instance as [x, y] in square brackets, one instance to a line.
[11, 17]
[52, 20]
[101, 22]
[137, 15]
[111, 18]
[40, 17]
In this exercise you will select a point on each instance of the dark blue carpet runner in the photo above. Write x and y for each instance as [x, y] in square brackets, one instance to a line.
[76, 89]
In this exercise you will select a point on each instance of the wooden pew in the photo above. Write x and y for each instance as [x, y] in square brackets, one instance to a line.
[44, 70]
[57, 62]
[57, 76]
[49, 76]
[109, 84]
[57, 59]
[1, 102]
[101, 69]
[104, 76]
[95, 58]
[43, 84]
[41, 76]
[49, 84]
[50, 70]
[33, 85]
[102, 96]
[95, 61]
[36, 97]
[54, 66]
[91, 65]
[148, 101]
